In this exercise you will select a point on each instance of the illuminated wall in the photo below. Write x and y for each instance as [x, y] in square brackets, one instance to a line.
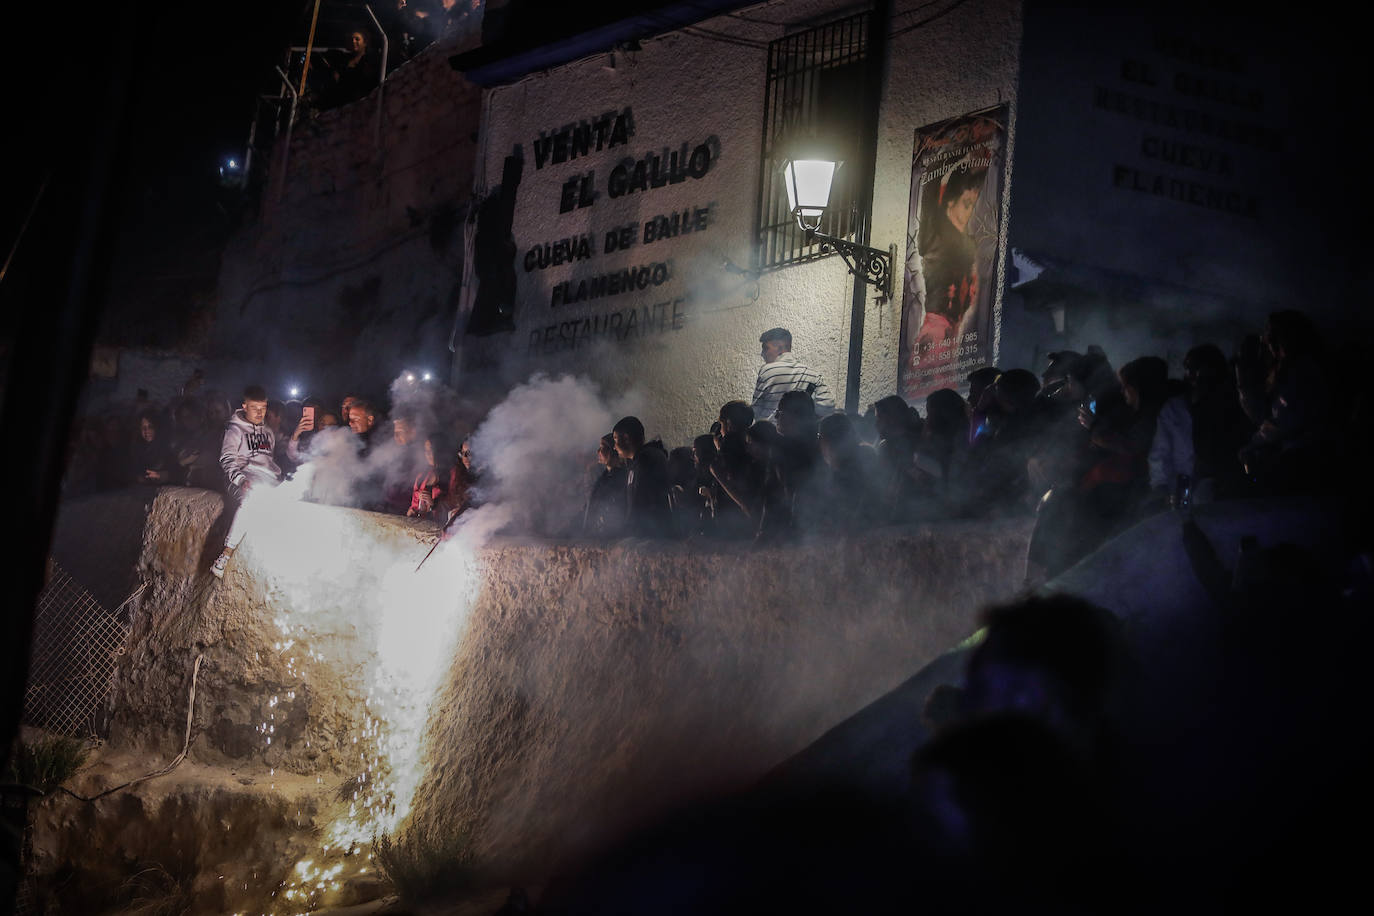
[600, 289]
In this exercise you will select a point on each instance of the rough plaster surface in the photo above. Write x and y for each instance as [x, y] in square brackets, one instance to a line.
[185, 612]
[594, 686]
[599, 685]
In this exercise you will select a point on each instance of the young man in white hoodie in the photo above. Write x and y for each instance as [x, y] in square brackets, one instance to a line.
[246, 457]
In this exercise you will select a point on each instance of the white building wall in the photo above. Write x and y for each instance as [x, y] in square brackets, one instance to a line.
[708, 81]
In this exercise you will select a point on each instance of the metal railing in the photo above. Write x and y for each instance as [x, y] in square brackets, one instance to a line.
[284, 104]
[381, 80]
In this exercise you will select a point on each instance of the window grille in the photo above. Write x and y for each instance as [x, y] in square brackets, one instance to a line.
[815, 89]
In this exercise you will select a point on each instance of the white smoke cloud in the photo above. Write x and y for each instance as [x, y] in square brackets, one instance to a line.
[340, 471]
[334, 468]
[532, 452]
[534, 448]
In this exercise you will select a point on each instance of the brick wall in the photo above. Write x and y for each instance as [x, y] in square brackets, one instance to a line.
[352, 266]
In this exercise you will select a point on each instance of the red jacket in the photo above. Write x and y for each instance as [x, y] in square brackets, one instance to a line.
[428, 494]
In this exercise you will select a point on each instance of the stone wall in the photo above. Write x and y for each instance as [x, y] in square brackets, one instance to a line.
[351, 267]
[600, 685]
[162, 374]
[589, 686]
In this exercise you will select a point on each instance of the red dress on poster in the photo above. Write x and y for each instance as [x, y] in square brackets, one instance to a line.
[949, 266]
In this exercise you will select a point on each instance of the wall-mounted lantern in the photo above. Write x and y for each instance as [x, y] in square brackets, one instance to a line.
[808, 184]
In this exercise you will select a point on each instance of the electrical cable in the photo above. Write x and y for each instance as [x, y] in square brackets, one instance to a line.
[711, 35]
[176, 761]
[42, 187]
[915, 9]
[767, 3]
[929, 19]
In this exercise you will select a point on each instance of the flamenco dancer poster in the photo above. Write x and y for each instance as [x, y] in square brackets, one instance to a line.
[949, 319]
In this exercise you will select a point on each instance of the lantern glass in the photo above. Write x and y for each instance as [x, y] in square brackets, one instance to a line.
[808, 189]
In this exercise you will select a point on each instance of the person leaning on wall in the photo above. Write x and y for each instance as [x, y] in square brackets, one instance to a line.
[781, 372]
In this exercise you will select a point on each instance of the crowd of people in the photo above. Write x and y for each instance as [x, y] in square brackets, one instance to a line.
[1137, 765]
[1085, 447]
[202, 440]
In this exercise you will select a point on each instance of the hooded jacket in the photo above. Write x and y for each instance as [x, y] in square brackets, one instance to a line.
[1171, 451]
[246, 452]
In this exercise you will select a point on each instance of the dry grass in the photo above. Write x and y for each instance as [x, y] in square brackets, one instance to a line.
[46, 763]
[421, 869]
[350, 788]
[154, 891]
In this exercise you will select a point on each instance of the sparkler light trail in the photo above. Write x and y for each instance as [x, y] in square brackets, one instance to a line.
[391, 633]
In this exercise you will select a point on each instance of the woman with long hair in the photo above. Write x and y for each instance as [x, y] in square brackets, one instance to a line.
[948, 254]
[150, 458]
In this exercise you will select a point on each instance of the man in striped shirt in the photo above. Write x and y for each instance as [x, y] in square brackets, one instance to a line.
[781, 373]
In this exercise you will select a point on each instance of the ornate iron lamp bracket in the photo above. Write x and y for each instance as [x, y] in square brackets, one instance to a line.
[870, 264]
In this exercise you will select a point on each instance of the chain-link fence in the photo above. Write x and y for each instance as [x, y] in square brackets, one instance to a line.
[76, 643]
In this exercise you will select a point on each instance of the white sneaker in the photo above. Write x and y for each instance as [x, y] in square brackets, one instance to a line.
[217, 568]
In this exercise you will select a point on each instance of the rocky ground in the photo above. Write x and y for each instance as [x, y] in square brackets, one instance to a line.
[580, 690]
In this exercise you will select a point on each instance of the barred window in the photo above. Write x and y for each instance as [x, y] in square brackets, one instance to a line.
[815, 89]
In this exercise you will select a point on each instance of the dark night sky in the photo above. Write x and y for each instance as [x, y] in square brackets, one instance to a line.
[191, 87]
[190, 110]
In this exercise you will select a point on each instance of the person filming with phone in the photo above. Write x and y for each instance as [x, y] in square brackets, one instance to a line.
[298, 446]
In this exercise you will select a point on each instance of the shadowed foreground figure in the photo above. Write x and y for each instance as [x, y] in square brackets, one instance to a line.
[1009, 818]
[1012, 798]
[1081, 769]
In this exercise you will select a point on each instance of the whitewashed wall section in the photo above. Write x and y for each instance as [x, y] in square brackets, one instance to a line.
[640, 183]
